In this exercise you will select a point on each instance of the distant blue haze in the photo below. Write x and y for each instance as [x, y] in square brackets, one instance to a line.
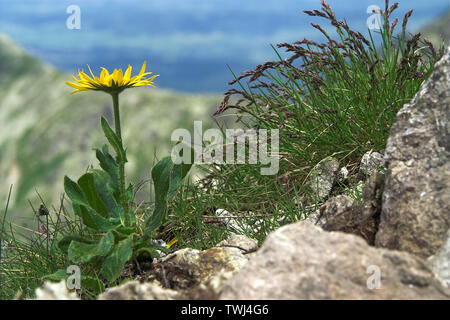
[189, 42]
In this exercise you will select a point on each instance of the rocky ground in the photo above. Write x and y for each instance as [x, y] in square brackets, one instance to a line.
[394, 244]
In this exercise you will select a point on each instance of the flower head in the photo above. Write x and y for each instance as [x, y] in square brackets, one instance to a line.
[115, 82]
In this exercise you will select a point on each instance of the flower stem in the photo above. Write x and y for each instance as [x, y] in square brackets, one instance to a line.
[123, 195]
[115, 97]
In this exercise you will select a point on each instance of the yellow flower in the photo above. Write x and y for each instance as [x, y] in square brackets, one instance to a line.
[112, 83]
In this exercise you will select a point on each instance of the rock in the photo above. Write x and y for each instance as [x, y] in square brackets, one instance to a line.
[201, 274]
[186, 274]
[416, 201]
[371, 162]
[203, 265]
[134, 290]
[241, 242]
[343, 213]
[55, 291]
[247, 246]
[301, 261]
[440, 262]
[329, 215]
[323, 176]
[356, 190]
[314, 217]
[372, 196]
[343, 174]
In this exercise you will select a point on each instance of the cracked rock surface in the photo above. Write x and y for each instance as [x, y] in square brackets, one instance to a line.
[416, 200]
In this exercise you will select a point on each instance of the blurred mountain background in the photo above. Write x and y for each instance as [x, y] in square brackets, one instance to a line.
[438, 29]
[45, 132]
[189, 42]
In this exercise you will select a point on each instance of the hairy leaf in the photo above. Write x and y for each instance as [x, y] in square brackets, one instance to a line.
[116, 260]
[80, 252]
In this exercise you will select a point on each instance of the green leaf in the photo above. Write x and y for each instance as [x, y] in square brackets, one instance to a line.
[80, 252]
[114, 140]
[130, 192]
[151, 251]
[179, 172]
[167, 178]
[64, 243]
[110, 166]
[59, 275]
[86, 216]
[87, 184]
[95, 284]
[115, 262]
[82, 208]
[174, 182]
[161, 173]
[107, 195]
[74, 192]
[156, 218]
[95, 221]
[105, 149]
[125, 230]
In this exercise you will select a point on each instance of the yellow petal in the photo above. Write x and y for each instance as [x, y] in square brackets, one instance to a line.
[93, 77]
[171, 242]
[127, 74]
[143, 68]
[85, 76]
[104, 73]
[119, 77]
[74, 85]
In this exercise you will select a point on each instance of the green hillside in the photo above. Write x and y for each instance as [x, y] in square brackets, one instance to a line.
[438, 28]
[45, 132]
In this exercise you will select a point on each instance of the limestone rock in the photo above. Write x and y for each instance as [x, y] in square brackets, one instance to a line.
[440, 262]
[204, 265]
[343, 174]
[343, 213]
[186, 274]
[329, 214]
[134, 290]
[301, 261]
[240, 241]
[371, 162]
[201, 274]
[416, 200]
[323, 176]
[55, 291]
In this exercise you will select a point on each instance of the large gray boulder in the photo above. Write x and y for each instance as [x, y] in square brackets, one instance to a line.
[416, 200]
[302, 261]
